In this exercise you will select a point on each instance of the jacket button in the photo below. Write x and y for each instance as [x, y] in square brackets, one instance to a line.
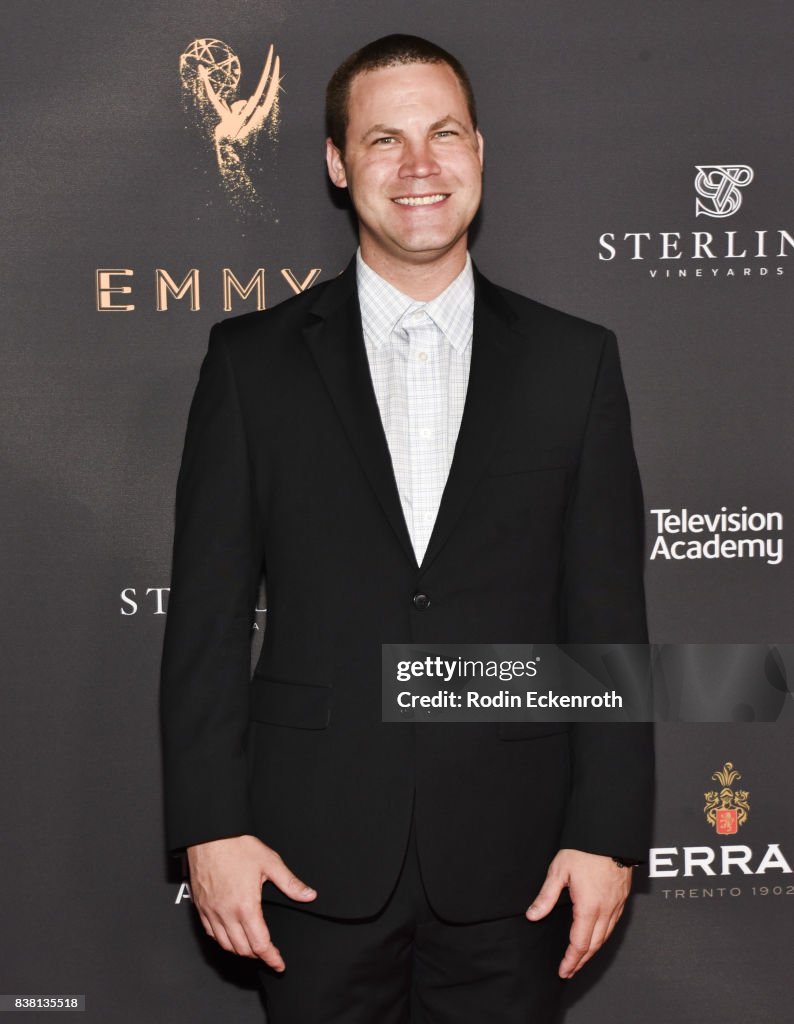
[421, 601]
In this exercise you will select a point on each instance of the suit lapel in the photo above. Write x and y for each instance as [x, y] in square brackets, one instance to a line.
[496, 351]
[335, 339]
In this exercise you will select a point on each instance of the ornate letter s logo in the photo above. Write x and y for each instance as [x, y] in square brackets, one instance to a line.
[718, 187]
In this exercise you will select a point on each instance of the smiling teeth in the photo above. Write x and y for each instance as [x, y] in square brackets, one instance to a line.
[420, 200]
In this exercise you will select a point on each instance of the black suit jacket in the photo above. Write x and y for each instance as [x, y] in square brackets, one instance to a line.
[286, 470]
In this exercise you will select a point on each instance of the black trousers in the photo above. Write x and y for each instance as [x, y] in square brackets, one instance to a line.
[407, 965]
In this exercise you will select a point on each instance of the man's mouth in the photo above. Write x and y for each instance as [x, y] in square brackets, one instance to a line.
[421, 200]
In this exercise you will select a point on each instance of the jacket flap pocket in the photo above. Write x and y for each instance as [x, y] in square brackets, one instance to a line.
[525, 460]
[530, 730]
[300, 705]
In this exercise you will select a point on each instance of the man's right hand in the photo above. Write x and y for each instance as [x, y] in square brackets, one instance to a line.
[226, 879]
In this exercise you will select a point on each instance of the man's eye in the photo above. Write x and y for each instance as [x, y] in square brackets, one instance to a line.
[444, 132]
[384, 138]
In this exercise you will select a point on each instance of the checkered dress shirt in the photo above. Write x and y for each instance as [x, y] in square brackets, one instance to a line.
[419, 357]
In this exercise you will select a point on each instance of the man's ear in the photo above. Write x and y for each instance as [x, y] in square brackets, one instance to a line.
[480, 147]
[335, 164]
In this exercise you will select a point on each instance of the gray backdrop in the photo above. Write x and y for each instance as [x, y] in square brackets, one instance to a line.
[597, 117]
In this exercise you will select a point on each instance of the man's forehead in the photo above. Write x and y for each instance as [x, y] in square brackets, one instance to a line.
[408, 83]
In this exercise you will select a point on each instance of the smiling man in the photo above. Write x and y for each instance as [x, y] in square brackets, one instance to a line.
[409, 453]
[415, 184]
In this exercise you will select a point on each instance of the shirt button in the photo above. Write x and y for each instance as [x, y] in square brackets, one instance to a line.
[423, 357]
[420, 601]
[425, 433]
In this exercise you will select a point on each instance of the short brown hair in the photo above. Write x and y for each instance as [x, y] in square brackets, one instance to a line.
[386, 52]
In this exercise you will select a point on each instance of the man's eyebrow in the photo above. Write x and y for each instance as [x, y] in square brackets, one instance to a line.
[381, 128]
[449, 119]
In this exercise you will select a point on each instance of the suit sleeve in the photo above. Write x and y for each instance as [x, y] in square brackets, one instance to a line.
[205, 669]
[612, 767]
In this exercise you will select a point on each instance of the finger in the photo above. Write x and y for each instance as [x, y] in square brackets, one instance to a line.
[578, 941]
[245, 934]
[597, 940]
[205, 923]
[239, 939]
[219, 933]
[546, 899]
[281, 876]
[602, 929]
[613, 920]
[234, 939]
[261, 943]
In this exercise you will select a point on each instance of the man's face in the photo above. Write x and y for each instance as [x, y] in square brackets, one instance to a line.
[412, 163]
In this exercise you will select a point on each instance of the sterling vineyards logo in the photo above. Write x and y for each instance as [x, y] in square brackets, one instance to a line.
[154, 601]
[679, 254]
[718, 188]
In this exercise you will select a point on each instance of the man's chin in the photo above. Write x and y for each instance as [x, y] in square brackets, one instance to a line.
[412, 249]
[427, 250]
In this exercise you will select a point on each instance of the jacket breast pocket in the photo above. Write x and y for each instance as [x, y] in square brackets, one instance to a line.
[527, 460]
[296, 705]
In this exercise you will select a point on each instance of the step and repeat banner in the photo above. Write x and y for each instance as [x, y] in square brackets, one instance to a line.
[162, 169]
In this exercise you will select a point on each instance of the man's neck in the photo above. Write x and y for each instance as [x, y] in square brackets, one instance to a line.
[420, 281]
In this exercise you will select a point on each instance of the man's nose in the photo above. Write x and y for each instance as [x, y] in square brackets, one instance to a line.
[418, 161]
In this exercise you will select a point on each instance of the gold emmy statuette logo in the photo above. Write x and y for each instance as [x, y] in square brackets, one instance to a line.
[210, 74]
[727, 810]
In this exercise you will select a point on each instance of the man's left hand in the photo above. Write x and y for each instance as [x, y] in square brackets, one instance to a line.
[599, 889]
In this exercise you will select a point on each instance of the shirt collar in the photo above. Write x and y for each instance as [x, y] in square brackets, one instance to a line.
[383, 306]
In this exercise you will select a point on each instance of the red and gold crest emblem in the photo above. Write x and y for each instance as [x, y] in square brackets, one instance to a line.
[729, 808]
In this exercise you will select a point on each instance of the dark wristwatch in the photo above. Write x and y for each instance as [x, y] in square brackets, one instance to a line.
[623, 863]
